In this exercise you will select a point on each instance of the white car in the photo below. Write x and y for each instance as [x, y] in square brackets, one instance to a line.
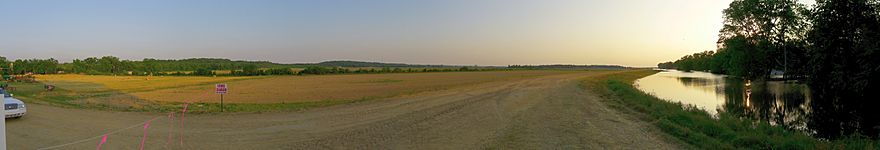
[14, 107]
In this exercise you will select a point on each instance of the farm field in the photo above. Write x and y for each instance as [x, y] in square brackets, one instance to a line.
[294, 89]
[524, 109]
[105, 92]
[153, 93]
[127, 84]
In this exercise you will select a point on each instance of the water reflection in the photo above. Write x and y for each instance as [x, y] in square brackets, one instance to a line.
[780, 103]
[695, 88]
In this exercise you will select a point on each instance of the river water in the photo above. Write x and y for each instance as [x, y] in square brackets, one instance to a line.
[778, 102]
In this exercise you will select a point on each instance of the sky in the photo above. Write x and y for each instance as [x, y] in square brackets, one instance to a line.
[456, 32]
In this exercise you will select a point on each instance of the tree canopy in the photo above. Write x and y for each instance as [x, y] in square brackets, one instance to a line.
[834, 48]
[844, 67]
[758, 36]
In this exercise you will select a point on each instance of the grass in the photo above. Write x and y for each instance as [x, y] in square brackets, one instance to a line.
[105, 92]
[36, 93]
[129, 84]
[700, 129]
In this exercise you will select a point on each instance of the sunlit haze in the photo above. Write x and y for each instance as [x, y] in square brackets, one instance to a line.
[463, 32]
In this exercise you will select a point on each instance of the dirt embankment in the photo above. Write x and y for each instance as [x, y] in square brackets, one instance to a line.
[550, 112]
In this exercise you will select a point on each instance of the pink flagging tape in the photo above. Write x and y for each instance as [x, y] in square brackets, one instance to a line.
[182, 116]
[144, 140]
[145, 126]
[103, 140]
[99, 136]
[170, 128]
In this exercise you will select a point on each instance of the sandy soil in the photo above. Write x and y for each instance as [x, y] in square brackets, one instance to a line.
[550, 112]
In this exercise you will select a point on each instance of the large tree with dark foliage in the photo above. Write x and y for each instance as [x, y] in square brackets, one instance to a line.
[756, 35]
[4, 66]
[845, 68]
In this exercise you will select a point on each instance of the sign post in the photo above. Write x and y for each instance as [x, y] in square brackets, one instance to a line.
[221, 89]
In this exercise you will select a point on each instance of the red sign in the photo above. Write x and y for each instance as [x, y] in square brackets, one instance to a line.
[220, 89]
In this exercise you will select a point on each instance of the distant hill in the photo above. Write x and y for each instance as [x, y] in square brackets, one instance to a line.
[107, 65]
[569, 67]
[222, 62]
[346, 63]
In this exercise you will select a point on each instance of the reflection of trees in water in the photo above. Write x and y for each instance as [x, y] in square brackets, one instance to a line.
[734, 92]
[707, 84]
[691, 81]
[775, 102]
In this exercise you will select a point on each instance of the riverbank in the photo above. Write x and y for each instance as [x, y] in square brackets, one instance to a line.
[698, 128]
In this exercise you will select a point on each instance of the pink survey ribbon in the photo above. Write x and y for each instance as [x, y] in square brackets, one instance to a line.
[170, 129]
[182, 115]
[103, 140]
[143, 140]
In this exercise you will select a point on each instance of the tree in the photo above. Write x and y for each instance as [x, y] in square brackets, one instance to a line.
[701, 61]
[719, 61]
[316, 70]
[251, 70]
[4, 64]
[203, 72]
[759, 32]
[279, 71]
[845, 68]
[666, 65]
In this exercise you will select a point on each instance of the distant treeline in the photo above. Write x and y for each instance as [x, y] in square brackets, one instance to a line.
[109, 65]
[834, 48]
[320, 70]
[568, 67]
[29, 65]
[376, 64]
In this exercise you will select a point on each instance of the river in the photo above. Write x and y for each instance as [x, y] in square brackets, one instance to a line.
[778, 102]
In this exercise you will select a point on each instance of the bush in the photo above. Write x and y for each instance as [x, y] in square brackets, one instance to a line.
[203, 72]
[279, 71]
[316, 70]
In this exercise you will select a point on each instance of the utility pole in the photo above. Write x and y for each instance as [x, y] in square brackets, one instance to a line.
[3, 131]
[3, 122]
[221, 102]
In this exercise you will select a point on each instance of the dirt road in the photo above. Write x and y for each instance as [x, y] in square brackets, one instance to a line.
[550, 112]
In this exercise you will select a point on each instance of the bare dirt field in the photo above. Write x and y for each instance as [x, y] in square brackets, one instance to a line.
[547, 112]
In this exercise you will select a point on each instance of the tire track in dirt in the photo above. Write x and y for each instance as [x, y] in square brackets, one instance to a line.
[550, 112]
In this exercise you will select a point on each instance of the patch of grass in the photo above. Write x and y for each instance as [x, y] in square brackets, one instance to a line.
[700, 129]
[83, 97]
[130, 84]
[35, 93]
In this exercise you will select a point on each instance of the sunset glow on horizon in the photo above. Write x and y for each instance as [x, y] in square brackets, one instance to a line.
[459, 32]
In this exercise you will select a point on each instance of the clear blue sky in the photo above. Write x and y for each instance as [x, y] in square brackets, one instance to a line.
[483, 32]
